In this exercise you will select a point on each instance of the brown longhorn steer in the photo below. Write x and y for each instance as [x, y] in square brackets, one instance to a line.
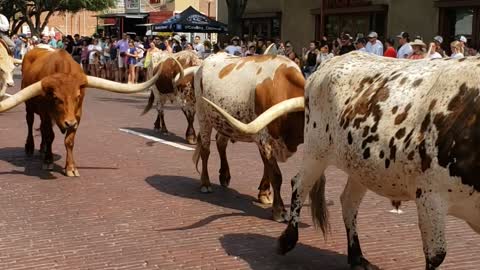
[53, 87]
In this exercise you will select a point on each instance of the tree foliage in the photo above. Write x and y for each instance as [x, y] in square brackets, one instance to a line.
[31, 11]
[236, 8]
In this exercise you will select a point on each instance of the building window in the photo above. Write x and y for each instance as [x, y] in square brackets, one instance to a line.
[262, 27]
[459, 20]
[356, 17]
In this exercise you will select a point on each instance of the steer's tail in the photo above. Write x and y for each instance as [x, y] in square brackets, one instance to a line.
[149, 106]
[196, 153]
[319, 206]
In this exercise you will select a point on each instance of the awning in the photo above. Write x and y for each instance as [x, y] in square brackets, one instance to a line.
[191, 21]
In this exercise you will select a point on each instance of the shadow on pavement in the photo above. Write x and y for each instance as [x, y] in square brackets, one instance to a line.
[186, 187]
[167, 137]
[32, 166]
[259, 251]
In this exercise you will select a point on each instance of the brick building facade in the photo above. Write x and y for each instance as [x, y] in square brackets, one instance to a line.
[85, 22]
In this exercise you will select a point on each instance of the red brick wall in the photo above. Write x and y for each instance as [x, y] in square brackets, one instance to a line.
[82, 23]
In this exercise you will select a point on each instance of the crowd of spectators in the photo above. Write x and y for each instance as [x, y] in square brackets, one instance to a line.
[127, 59]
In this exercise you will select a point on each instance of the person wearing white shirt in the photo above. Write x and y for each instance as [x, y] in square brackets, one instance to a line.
[457, 50]
[405, 48]
[233, 48]
[360, 44]
[324, 54]
[434, 54]
[4, 28]
[374, 45]
[199, 47]
[95, 53]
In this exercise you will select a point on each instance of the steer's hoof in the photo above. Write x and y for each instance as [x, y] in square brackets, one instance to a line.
[287, 240]
[265, 198]
[29, 149]
[47, 166]
[191, 140]
[164, 132]
[280, 216]
[224, 180]
[72, 172]
[206, 189]
[156, 130]
[360, 263]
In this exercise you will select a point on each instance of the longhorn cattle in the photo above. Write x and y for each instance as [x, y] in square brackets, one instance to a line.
[53, 87]
[183, 93]
[407, 130]
[248, 87]
[6, 68]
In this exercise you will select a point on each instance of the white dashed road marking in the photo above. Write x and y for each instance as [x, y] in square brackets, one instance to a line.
[183, 147]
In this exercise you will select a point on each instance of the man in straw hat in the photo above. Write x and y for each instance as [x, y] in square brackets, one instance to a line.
[418, 47]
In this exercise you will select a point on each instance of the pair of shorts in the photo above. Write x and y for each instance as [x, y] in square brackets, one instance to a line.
[132, 61]
[122, 62]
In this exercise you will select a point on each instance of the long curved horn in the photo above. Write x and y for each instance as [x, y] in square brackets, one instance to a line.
[290, 105]
[21, 96]
[111, 86]
[269, 49]
[188, 71]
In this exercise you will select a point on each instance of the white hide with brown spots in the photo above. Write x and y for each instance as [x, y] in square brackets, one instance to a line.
[245, 86]
[236, 93]
[407, 130]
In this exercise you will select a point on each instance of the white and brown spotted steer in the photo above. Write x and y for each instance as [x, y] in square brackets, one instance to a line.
[247, 87]
[407, 130]
[164, 90]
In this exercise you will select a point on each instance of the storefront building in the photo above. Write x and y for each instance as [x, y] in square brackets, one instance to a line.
[304, 20]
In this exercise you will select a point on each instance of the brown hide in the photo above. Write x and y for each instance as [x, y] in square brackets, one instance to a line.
[63, 83]
[170, 70]
[287, 83]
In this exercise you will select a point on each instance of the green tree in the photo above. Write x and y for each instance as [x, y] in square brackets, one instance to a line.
[31, 11]
[236, 8]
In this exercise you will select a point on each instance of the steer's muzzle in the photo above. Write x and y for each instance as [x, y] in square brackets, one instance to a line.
[70, 124]
[10, 83]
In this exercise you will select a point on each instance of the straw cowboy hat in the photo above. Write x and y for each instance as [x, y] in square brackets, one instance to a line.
[418, 42]
[177, 38]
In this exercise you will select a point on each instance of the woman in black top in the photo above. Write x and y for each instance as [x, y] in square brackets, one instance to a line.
[310, 58]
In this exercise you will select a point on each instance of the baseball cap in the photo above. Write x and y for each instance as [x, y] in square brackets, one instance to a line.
[346, 36]
[463, 39]
[439, 39]
[403, 35]
[373, 35]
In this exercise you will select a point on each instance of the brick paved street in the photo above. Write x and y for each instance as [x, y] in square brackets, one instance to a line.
[137, 205]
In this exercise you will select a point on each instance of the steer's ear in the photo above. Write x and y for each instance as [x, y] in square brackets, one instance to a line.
[48, 85]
